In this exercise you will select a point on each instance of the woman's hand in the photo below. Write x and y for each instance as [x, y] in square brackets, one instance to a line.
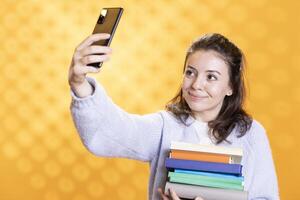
[172, 195]
[85, 54]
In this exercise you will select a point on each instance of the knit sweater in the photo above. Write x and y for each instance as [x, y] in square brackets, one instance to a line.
[107, 130]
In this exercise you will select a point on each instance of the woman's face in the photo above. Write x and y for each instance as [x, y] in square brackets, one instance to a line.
[205, 84]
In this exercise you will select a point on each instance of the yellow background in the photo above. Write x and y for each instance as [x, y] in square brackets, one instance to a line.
[41, 154]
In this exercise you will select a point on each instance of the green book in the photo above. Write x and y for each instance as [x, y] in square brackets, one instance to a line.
[207, 177]
[205, 181]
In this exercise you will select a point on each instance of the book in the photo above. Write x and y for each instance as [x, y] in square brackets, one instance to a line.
[227, 176]
[207, 193]
[206, 148]
[196, 179]
[202, 156]
[235, 169]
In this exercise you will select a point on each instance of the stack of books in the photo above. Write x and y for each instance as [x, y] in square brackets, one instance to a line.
[209, 171]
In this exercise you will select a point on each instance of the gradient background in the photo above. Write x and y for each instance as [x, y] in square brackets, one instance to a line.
[41, 154]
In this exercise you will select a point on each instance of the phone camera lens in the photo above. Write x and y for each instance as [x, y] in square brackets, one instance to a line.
[101, 19]
[102, 16]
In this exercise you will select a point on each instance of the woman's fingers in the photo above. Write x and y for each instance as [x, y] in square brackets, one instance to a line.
[91, 39]
[199, 198]
[83, 56]
[80, 71]
[95, 49]
[162, 195]
[173, 195]
[91, 70]
[93, 59]
[86, 53]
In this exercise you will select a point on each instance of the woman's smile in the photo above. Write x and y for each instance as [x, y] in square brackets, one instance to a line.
[197, 97]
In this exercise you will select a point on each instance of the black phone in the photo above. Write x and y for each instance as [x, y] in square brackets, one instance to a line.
[107, 23]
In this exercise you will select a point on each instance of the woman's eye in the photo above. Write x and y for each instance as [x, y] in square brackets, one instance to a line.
[188, 73]
[211, 77]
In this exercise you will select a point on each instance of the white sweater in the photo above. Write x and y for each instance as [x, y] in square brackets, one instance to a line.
[107, 130]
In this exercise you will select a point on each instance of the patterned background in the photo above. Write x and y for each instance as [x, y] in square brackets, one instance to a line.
[41, 154]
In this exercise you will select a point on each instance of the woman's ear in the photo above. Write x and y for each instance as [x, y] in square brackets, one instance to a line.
[229, 93]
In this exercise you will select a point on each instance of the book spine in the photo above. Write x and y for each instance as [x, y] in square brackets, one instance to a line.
[206, 179]
[206, 148]
[225, 179]
[210, 174]
[205, 183]
[203, 166]
[192, 191]
[200, 156]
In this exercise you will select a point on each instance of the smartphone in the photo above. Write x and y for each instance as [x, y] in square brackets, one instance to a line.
[107, 23]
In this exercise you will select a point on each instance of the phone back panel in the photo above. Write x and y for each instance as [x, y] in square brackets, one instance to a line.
[107, 23]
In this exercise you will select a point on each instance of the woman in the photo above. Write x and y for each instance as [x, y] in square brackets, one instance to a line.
[207, 109]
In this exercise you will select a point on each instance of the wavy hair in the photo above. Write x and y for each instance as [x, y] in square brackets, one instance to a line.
[231, 114]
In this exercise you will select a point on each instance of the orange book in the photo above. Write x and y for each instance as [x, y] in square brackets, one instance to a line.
[200, 156]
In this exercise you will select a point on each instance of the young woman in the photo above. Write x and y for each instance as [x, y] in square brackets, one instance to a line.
[208, 109]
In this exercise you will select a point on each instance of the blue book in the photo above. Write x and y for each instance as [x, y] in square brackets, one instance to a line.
[225, 168]
[226, 176]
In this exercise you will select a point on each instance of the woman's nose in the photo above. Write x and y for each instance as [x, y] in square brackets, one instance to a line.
[198, 83]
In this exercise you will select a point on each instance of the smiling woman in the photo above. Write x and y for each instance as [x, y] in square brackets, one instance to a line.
[206, 84]
[207, 109]
[213, 87]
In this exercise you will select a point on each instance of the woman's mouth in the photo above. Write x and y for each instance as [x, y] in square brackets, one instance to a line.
[196, 97]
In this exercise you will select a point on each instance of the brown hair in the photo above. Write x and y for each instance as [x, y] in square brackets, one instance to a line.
[232, 113]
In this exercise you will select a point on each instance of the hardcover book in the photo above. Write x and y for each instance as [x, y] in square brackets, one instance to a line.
[207, 193]
[235, 169]
[208, 181]
[202, 156]
[206, 148]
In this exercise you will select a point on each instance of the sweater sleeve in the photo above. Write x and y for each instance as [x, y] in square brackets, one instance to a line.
[264, 184]
[107, 130]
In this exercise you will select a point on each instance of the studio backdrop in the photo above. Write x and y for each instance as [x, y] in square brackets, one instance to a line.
[41, 155]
